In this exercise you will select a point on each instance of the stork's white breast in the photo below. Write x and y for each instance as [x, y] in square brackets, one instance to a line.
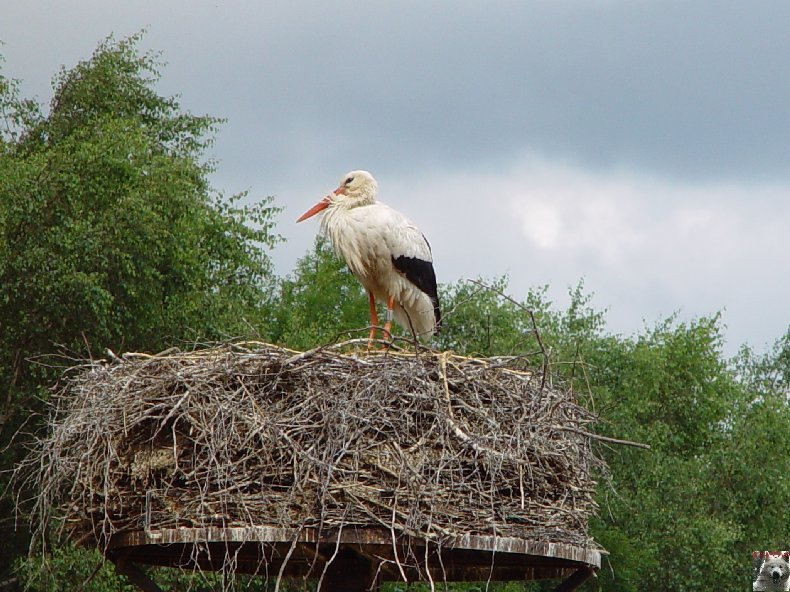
[368, 237]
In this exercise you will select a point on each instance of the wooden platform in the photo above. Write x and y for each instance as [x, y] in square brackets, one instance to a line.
[351, 559]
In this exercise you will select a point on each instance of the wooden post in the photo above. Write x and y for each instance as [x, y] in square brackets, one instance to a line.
[575, 580]
[136, 576]
[349, 572]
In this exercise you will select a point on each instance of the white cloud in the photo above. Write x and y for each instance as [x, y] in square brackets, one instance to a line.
[568, 210]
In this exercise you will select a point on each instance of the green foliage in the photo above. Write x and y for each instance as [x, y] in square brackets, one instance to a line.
[17, 114]
[320, 301]
[754, 463]
[67, 568]
[477, 321]
[688, 507]
[111, 233]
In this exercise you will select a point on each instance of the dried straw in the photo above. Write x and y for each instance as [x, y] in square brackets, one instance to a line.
[427, 444]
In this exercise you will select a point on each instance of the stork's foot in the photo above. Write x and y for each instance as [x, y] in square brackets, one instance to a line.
[386, 335]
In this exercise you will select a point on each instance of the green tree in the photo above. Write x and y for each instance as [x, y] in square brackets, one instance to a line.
[753, 465]
[477, 320]
[672, 519]
[110, 234]
[67, 567]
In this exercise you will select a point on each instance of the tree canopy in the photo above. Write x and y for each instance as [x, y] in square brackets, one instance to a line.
[111, 236]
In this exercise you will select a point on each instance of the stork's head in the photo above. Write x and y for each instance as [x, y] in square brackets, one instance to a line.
[357, 188]
[357, 185]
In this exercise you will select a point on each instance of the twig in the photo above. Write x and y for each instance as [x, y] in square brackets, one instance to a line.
[575, 430]
[531, 315]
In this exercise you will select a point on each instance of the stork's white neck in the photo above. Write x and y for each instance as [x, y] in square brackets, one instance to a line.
[361, 196]
[366, 192]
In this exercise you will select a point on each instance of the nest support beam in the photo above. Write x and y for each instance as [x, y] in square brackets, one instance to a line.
[353, 560]
[135, 575]
[576, 579]
[348, 572]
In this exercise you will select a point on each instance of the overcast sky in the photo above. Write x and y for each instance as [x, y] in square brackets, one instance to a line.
[642, 146]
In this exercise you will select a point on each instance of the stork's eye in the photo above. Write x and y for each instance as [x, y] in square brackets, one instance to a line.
[348, 181]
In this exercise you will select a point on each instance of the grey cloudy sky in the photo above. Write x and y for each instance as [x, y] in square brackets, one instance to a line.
[640, 145]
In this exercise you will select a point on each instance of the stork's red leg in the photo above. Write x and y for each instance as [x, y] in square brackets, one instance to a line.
[374, 320]
[388, 324]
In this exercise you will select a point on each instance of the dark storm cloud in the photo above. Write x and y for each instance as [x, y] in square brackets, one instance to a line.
[686, 89]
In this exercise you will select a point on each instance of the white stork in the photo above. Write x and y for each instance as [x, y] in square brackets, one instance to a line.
[385, 251]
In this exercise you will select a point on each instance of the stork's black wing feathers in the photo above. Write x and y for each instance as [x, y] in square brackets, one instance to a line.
[420, 273]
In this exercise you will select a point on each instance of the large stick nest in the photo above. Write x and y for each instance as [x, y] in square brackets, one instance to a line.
[426, 444]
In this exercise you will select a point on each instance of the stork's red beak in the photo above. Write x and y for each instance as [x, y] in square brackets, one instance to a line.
[321, 205]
